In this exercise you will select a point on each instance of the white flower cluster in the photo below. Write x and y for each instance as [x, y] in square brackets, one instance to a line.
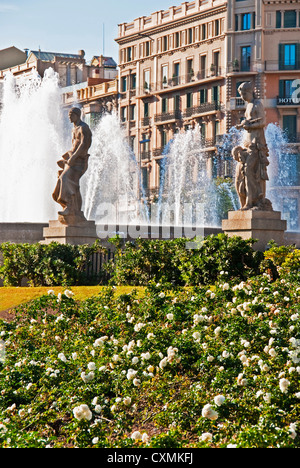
[82, 412]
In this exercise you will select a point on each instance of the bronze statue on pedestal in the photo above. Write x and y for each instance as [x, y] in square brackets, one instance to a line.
[252, 158]
[73, 166]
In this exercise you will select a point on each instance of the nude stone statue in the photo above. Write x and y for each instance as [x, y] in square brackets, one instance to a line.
[73, 165]
[252, 174]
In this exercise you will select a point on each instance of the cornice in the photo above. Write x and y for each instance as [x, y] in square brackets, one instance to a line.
[158, 29]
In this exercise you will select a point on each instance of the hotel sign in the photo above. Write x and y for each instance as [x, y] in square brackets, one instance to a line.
[288, 101]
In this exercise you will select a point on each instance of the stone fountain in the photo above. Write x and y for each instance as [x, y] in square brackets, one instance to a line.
[256, 219]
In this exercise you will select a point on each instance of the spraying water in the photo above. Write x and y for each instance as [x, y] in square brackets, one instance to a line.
[284, 175]
[188, 193]
[31, 138]
[112, 185]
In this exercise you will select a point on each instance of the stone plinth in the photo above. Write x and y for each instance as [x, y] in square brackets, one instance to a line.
[84, 233]
[262, 225]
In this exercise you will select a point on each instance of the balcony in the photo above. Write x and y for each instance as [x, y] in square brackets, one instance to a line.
[168, 117]
[203, 108]
[190, 79]
[275, 65]
[145, 122]
[237, 104]
[145, 155]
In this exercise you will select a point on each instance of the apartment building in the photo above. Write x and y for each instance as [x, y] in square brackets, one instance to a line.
[183, 67]
[172, 77]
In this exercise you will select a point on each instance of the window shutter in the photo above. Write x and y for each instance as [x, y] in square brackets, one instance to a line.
[281, 88]
[297, 56]
[281, 56]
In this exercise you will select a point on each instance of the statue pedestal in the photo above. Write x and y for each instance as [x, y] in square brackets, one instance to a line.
[83, 233]
[262, 225]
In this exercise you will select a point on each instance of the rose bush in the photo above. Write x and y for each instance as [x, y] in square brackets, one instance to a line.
[207, 366]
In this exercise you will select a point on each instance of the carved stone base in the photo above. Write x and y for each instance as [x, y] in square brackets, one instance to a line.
[261, 225]
[84, 233]
[72, 219]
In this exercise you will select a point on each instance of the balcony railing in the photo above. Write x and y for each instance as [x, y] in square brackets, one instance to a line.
[145, 155]
[145, 122]
[203, 108]
[168, 116]
[237, 103]
[275, 65]
[190, 78]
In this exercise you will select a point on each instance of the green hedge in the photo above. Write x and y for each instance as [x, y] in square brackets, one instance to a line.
[47, 265]
[172, 262]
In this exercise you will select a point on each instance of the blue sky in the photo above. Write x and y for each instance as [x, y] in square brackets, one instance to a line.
[70, 25]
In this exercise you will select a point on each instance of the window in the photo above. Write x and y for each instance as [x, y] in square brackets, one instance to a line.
[290, 127]
[177, 39]
[246, 21]
[237, 22]
[278, 19]
[190, 35]
[203, 31]
[203, 66]
[145, 178]
[124, 84]
[289, 56]
[145, 142]
[290, 19]
[216, 62]
[177, 102]
[133, 81]
[189, 100]
[216, 93]
[147, 49]
[164, 105]
[217, 27]
[146, 109]
[129, 54]
[164, 74]
[203, 96]
[203, 131]
[132, 110]
[165, 43]
[286, 88]
[147, 80]
[164, 138]
[190, 70]
[123, 114]
[245, 58]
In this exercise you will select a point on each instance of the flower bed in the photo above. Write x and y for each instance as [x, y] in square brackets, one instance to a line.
[200, 367]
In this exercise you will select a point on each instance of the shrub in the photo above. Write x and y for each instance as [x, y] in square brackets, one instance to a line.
[46, 265]
[171, 261]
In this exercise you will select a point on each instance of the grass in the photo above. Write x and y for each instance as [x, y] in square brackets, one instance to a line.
[13, 297]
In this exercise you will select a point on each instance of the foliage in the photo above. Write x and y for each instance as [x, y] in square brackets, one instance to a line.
[46, 265]
[173, 262]
[205, 366]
